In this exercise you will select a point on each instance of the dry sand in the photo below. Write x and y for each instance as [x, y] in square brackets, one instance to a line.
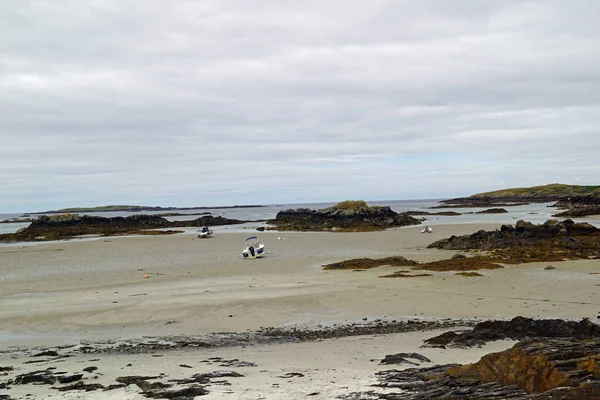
[88, 290]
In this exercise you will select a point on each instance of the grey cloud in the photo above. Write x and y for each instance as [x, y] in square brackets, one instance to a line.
[103, 101]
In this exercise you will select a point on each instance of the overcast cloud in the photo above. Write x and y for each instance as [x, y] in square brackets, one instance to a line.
[183, 103]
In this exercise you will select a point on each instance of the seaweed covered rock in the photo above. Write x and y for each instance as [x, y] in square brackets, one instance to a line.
[345, 216]
[526, 242]
[65, 226]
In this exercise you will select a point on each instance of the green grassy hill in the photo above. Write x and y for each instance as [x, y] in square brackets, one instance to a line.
[552, 190]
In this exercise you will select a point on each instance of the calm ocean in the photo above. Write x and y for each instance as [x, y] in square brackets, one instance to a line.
[535, 213]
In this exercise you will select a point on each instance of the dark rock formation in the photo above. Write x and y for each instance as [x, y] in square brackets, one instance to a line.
[44, 377]
[70, 378]
[66, 226]
[578, 211]
[518, 328]
[345, 216]
[526, 242]
[367, 263]
[581, 200]
[404, 358]
[492, 211]
[565, 365]
[444, 213]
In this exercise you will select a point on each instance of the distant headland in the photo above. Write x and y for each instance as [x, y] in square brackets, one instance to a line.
[577, 200]
[129, 208]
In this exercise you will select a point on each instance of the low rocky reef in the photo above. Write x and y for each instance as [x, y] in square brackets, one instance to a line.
[347, 216]
[522, 243]
[66, 226]
[491, 211]
[526, 242]
[555, 359]
[442, 213]
[472, 202]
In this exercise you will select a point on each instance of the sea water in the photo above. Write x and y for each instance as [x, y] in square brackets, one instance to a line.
[535, 213]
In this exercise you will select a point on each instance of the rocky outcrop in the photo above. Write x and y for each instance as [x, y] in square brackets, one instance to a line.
[579, 211]
[519, 328]
[441, 213]
[367, 263]
[492, 211]
[65, 226]
[345, 216]
[526, 242]
[574, 201]
[555, 360]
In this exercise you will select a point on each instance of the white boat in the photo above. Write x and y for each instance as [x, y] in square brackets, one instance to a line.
[204, 232]
[427, 230]
[254, 248]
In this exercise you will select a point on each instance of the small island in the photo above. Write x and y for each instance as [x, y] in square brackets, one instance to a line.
[347, 216]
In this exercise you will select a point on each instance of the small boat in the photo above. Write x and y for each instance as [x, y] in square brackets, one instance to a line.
[254, 248]
[427, 230]
[204, 232]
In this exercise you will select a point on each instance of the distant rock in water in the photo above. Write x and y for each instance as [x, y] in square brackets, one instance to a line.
[493, 211]
[345, 216]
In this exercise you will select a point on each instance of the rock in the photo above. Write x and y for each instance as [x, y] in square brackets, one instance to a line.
[260, 229]
[90, 369]
[345, 216]
[540, 368]
[549, 267]
[66, 226]
[291, 375]
[367, 263]
[493, 211]
[46, 353]
[132, 379]
[70, 378]
[526, 242]
[86, 387]
[519, 328]
[184, 393]
[39, 377]
[402, 358]
[206, 377]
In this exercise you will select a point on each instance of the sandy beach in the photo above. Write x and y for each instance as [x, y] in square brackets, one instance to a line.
[69, 292]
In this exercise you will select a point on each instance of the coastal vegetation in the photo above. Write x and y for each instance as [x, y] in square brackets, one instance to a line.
[554, 192]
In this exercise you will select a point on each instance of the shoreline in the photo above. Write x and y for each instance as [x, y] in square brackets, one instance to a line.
[93, 293]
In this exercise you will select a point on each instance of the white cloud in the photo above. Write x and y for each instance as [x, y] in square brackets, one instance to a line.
[152, 101]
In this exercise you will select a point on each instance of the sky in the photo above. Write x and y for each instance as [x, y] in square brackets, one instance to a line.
[205, 103]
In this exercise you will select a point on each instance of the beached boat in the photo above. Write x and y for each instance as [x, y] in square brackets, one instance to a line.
[204, 232]
[254, 248]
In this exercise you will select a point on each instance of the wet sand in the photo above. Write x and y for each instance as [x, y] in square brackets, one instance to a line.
[92, 290]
